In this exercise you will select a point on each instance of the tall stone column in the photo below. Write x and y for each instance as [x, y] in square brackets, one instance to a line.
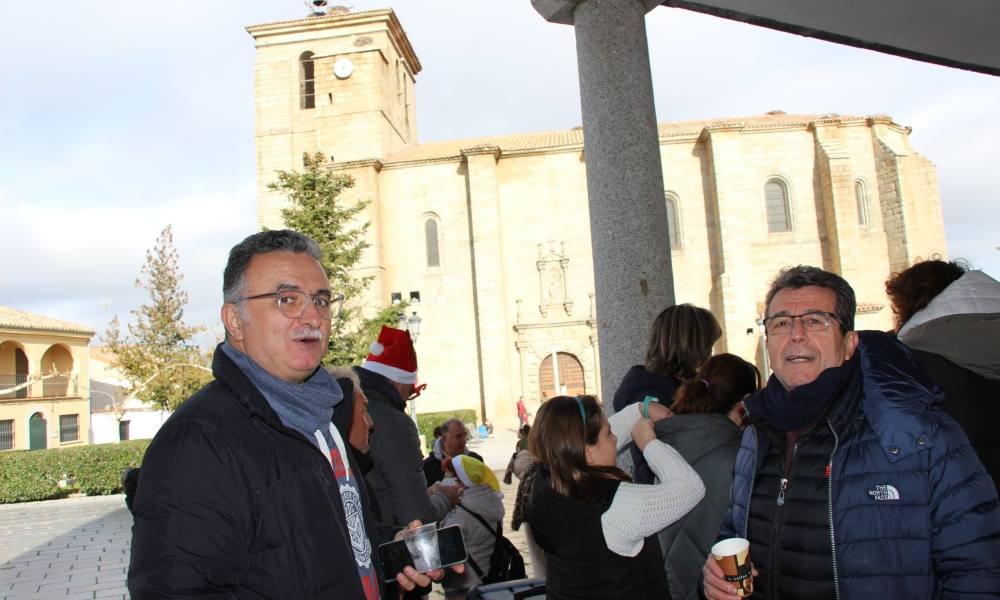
[628, 215]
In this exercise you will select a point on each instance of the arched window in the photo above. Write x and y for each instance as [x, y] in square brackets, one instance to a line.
[864, 207]
[673, 226]
[431, 241]
[776, 197]
[307, 81]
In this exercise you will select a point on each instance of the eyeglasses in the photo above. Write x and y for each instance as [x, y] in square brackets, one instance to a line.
[293, 303]
[416, 391]
[811, 321]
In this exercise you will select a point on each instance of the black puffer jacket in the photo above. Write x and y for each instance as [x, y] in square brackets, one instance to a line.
[233, 504]
[908, 507]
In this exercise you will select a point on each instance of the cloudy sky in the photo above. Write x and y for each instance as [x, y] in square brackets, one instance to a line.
[119, 117]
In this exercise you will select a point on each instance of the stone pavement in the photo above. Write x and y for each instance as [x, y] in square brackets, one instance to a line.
[78, 548]
[70, 548]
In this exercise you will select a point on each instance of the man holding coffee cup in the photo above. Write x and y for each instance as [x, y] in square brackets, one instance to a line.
[850, 483]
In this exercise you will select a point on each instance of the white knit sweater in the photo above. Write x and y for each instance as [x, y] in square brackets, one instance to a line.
[638, 510]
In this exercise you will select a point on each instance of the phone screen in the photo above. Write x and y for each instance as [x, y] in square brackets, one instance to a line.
[396, 555]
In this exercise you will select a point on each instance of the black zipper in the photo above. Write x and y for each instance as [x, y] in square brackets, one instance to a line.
[783, 484]
[786, 476]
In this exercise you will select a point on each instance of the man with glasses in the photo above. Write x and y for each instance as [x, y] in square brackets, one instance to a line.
[850, 483]
[452, 442]
[389, 379]
[248, 490]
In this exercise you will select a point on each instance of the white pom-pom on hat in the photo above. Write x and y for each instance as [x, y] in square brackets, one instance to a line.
[377, 349]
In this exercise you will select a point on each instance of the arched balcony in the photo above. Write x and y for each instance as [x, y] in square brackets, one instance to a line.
[57, 370]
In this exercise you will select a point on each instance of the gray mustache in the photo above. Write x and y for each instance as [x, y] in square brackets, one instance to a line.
[306, 334]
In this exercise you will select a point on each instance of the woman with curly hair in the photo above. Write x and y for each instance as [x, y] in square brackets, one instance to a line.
[949, 317]
[595, 526]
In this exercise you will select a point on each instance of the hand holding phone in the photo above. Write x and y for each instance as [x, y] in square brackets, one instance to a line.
[424, 548]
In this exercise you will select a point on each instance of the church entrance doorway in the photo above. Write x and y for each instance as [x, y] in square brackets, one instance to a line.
[566, 379]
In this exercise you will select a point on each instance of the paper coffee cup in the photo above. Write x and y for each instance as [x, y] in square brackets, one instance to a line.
[733, 557]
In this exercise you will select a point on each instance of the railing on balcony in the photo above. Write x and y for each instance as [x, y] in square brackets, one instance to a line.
[57, 386]
[10, 381]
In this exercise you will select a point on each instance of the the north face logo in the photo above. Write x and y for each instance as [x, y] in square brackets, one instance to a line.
[884, 492]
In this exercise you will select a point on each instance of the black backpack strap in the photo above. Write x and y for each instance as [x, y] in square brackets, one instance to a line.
[475, 567]
[483, 521]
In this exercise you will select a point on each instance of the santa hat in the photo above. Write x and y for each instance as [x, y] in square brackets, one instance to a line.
[473, 472]
[392, 356]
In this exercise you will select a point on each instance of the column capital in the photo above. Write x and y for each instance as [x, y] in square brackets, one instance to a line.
[561, 11]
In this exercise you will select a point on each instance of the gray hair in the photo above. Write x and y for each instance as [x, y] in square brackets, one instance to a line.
[793, 278]
[340, 372]
[280, 240]
[446, 426]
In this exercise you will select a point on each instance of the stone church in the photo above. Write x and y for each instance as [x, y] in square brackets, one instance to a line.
[489, 239]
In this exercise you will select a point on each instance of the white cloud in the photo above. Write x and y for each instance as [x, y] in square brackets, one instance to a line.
[134, 115]
[68, 261]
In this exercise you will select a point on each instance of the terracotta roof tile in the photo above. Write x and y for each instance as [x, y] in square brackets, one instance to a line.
[568, 139]
[12, 318]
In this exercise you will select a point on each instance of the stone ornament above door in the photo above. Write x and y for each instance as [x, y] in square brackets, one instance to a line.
[553, 271]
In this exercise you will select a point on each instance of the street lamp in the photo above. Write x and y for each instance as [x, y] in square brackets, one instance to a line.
[763, 338]
[412, 325]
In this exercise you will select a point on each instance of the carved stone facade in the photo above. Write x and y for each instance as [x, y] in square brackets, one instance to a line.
[514, 281]
[552, 265]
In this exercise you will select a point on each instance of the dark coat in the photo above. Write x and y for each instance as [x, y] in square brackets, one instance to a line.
[910, 509]
[973, 401]
[956, 339]
[578, 562]
[639, 383]
[635, 386]
[396, 479]
[709, 443]
[233, 504]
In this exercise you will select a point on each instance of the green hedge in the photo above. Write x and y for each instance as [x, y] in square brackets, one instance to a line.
[426, 422]
[26, 476]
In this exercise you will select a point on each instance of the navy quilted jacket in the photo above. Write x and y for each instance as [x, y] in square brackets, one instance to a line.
[914, 514]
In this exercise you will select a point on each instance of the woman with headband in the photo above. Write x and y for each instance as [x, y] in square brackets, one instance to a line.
[597, 528]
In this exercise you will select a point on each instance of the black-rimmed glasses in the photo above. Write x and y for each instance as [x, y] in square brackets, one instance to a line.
[816, 320]
[293, 303]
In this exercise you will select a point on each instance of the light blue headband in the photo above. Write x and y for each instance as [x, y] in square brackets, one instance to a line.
[583, 414]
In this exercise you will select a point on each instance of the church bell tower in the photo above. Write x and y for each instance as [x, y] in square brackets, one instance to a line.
[336, 82]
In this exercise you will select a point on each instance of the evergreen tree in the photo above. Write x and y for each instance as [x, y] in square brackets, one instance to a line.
[159, 357]
[317, 210]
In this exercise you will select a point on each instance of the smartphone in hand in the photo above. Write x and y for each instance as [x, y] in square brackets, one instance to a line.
[424, 549]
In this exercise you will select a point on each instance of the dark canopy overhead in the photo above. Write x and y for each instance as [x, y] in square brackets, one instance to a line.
[955, 33]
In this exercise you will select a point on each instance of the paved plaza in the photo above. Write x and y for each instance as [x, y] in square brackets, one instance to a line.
[70, 548]
[79, 547]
